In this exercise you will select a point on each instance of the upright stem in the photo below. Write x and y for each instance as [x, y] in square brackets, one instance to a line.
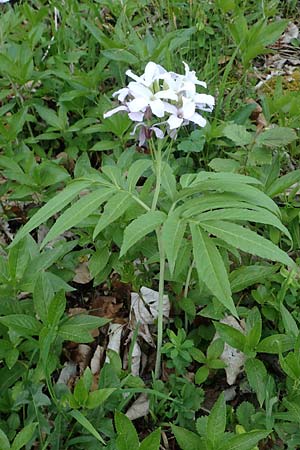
[158, 159]
[158, 178]
[160, 303]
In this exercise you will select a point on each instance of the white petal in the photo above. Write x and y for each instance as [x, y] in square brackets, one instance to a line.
[170, 108]
[114, 111]
[139, 90]
[130, 74]
[204, 99]
[136, 116]
[174, 122]
[199, 120]
[157, 107]
[158, 132]
[188, 108]
[167, 93]
[137, 104]
[151, 71]
[121, 93]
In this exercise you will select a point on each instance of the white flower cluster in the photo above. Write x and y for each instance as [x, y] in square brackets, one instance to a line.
[168, 96]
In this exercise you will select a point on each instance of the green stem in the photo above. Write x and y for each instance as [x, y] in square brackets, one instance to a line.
[160, 304]
[158, 178]
[186, 291]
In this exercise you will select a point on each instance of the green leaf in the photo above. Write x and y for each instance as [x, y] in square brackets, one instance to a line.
[96, 398]
[245, 441]
[277, 343]
[42, 296]
[279, 186]
[260, 215]
[244, 277]
[50, 117]
[168, 181]
[238, 134]
[289, 322]
[114, 208]
[23, 437]
[257, 377]
[172, 235]
[247, 241]
[22, 324]
[56, 308]
[52, 207]
[140, 227]
[216, 422]
[151, 442]
[76, 327]
[80, 392]
[79, 417]
[77, 212]
[127, 436]
[120, 54]
[135, 172]
[231, 335]
[201, 375]
[277, 137]
[210, 267]
[4, 442]
[187, 440]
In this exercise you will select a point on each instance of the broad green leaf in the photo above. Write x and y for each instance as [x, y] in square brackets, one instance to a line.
[277, 343]
[247, 241]
[80, 392]
[201, 375]
[50, 117]
[186, 439]
[114, 208]
[245, 192]
[56, 308]
[216, 422]
[277, 137]
[79, 417]
[8, 377]
[244, 277]
[223, 177]
[168, 181]
[245, 441]
[210, 267]
[289, 322]
[22, 324]
[4, 442]
[238, 134]
[280, 185]
[211, 201]
[23, 437]
[140, 227]
[152, 441]
[231, 335]
[42, 295]
[172, 235]
[257, 377]
[127, 436]
[52, 207]
[135, 172]
[77, 328]
[96, 398]
[293, 410]
[120, 54]
[77, 212]
[259, 215]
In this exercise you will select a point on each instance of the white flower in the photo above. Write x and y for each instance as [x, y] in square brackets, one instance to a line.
[170, 96]
[144, 97]
[184, 114]
[152, 73]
